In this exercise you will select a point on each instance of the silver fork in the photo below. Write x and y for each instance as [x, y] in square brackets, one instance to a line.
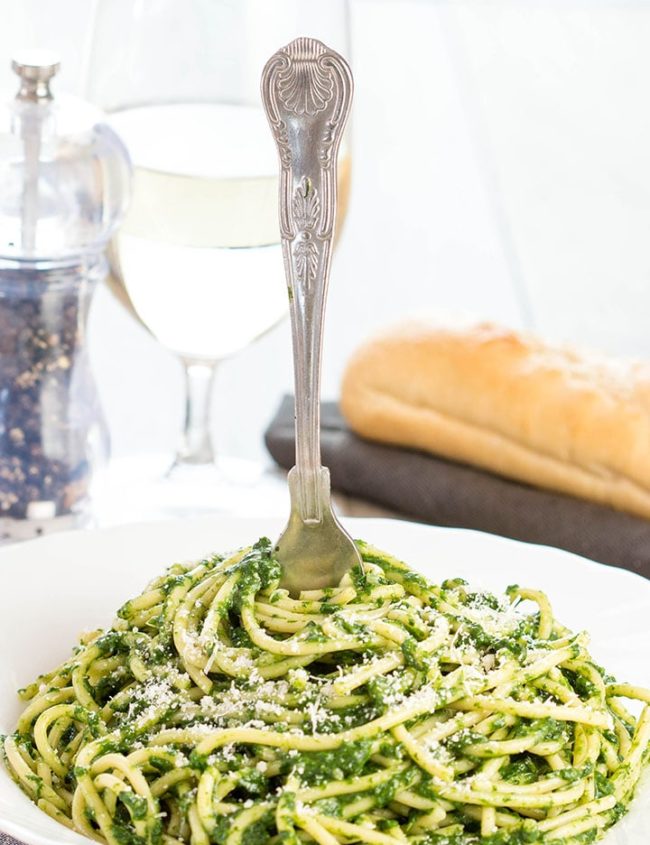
[307, 91]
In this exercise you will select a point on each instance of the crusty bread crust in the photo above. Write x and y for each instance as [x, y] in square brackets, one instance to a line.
[550, 416]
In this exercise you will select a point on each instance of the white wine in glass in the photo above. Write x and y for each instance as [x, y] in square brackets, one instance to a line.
[198, 260]
[198, 257]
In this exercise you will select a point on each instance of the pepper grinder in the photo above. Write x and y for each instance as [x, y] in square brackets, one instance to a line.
[64, 186]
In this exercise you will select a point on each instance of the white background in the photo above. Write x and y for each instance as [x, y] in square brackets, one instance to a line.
[501, 166]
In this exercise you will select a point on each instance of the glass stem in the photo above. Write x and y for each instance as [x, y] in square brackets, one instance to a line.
[196, 443]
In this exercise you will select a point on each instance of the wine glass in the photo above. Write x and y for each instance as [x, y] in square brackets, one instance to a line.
[198, 260]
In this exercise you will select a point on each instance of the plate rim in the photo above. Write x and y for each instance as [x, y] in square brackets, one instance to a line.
[87, 534]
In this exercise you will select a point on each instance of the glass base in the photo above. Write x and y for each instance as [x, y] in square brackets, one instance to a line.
[144, 488]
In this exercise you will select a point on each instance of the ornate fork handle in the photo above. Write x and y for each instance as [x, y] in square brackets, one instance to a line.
[307, 92]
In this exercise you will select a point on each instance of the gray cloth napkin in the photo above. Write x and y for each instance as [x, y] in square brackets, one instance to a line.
[430, 489]
[7, 840]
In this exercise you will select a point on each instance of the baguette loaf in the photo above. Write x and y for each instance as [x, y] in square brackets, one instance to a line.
[553, 417]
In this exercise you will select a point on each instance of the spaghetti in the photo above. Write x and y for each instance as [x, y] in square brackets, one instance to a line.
[218, 709]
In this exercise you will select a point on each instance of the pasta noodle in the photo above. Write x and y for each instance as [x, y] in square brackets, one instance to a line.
[218, 709]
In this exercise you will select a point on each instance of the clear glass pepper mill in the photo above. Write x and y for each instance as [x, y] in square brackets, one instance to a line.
[64, 185]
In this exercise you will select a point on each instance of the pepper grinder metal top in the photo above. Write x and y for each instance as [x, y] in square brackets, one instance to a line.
[307, 93]
[35, 69]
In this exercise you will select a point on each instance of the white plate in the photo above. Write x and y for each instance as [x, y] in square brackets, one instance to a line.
[54, 588]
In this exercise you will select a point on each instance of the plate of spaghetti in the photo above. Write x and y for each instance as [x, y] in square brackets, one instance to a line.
[158, 687]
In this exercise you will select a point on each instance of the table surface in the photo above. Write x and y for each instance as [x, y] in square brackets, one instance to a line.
[135, 489]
